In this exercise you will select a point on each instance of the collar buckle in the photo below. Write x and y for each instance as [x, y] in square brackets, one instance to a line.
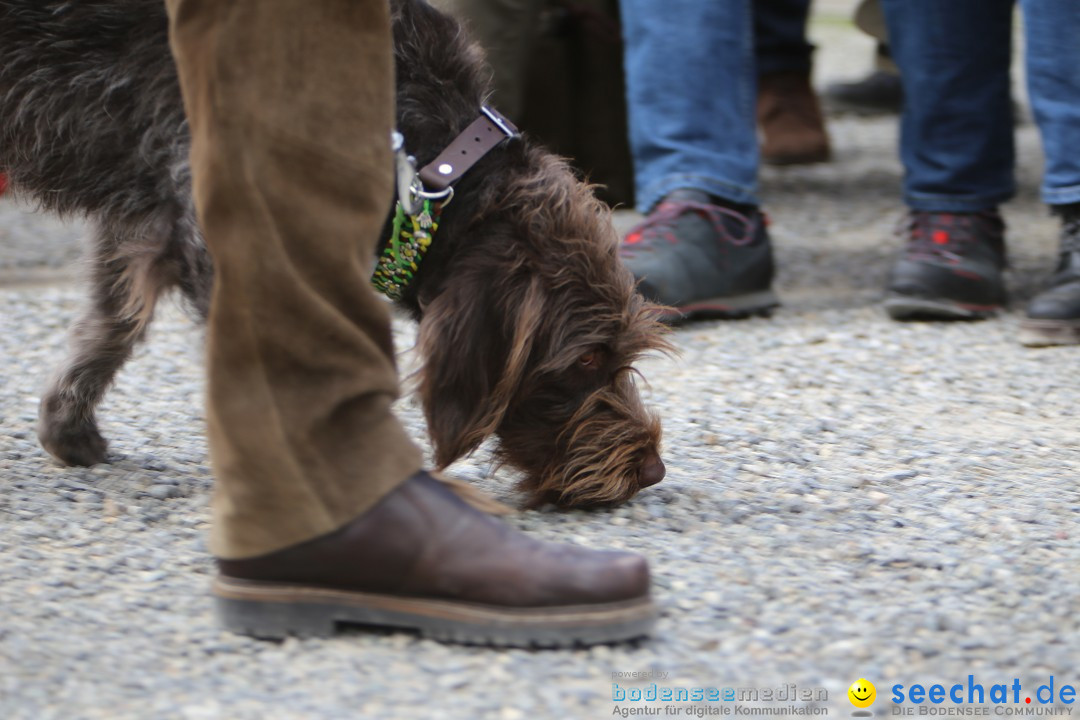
[508, 128]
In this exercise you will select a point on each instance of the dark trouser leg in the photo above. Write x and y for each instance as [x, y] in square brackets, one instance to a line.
[780, 36]
[788, 114]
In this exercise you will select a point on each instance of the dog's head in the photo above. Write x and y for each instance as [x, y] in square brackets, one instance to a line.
[532, 335]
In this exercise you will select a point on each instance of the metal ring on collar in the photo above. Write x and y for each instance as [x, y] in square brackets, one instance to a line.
[444, 196]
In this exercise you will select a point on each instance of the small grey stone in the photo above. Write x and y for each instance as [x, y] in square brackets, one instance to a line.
[163, 492]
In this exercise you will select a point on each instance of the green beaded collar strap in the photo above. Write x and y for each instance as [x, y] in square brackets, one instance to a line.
[409, 240]
[423, 195]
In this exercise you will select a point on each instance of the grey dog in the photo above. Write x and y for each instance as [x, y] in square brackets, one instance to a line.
[529, 325]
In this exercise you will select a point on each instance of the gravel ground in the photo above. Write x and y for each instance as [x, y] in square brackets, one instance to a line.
[846, 497]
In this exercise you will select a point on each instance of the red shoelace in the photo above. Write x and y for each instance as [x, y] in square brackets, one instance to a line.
[660, 225]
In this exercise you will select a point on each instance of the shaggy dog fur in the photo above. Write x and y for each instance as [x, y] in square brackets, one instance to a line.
[528, 324]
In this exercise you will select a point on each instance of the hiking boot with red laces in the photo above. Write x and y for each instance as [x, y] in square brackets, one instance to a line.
[951, 268]
[1053, 316]
[702, 259]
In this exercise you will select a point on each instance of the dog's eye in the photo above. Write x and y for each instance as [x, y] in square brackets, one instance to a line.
[590, 360]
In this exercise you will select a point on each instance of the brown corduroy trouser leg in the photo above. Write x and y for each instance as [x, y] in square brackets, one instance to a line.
[290, 104]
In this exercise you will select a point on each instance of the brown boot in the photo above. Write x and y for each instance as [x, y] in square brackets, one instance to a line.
[790, 120]
[422, 559]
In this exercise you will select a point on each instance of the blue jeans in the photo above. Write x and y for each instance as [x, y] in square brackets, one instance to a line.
[956, 140]
[691, 88]
[691, 96]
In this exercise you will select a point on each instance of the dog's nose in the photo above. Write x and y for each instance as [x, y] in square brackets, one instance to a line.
[652, 471]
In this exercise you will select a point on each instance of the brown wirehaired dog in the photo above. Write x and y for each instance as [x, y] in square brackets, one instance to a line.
[528, 324]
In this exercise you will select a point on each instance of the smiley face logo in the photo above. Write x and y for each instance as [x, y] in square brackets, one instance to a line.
[862, 693]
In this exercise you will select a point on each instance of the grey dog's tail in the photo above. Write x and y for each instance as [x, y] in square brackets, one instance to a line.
[90, 112]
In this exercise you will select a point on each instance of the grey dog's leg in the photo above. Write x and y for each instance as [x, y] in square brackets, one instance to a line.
[126, 277]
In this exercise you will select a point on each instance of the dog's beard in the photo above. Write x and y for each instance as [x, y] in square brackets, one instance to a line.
[597, 455]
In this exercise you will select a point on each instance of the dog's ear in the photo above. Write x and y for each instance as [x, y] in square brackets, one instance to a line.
[475, 340]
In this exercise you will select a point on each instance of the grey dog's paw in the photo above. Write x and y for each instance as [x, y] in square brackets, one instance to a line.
[70, 437]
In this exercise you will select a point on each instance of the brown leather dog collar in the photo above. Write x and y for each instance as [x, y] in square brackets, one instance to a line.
[484, 133]
[419, 204]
